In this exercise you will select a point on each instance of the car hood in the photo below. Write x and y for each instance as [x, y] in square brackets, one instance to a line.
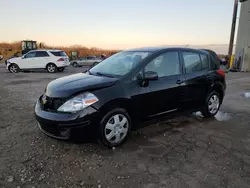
[13, 59]
[76, 83]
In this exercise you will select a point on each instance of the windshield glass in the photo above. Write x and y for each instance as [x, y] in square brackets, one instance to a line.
[119, 64]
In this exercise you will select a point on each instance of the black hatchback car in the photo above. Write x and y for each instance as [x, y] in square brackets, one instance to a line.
[129, 87]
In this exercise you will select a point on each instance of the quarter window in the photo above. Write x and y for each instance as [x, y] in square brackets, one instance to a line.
[192, 62]
[166, 64]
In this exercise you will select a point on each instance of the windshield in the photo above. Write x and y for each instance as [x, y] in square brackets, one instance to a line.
[119, 64]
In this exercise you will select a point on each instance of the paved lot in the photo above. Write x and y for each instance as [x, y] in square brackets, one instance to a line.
[182, 152]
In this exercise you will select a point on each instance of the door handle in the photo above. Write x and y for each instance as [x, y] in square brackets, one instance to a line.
[179, 82]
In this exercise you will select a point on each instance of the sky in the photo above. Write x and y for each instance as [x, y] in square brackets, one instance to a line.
[113, 24]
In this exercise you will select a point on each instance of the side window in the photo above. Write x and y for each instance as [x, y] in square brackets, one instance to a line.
[30, 55]
[90, 58]
[166, 64]
[192, 62]
[41, 54]
[204, 62]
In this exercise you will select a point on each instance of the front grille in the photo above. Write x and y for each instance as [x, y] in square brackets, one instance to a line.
[51, 104]
[49, 129]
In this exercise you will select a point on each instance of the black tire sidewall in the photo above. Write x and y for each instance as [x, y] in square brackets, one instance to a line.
[206, 111]
[106, 117]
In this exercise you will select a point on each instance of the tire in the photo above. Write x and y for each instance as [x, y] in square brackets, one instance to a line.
[75, 64]
[51, 68]
[212, 105]
[112, 132]
[60, 69]
[94, 64]
[13, 68]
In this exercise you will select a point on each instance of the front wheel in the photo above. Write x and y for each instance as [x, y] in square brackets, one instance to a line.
[212, 105]
[13, 68]
[51, 68]
[114, 127]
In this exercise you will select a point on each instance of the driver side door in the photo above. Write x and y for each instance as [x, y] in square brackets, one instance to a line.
[167, 93]
[28, 60]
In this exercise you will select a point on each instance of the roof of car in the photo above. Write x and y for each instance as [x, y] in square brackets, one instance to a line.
[52, 50]
[146, 49]
[157, 49]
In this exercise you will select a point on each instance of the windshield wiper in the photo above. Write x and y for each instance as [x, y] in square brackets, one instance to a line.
[104, 74]
[90, 73]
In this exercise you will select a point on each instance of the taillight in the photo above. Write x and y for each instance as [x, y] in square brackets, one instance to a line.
[221, 72]
[61, 59]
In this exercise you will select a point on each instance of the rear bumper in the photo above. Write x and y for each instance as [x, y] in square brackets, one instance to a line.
[66, 64]
[67, 126]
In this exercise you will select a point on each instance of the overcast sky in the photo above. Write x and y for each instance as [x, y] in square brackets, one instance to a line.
[117, 24]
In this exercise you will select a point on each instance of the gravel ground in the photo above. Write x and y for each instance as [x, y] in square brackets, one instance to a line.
[187, 151]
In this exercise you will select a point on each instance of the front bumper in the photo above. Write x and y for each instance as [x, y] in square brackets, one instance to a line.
[66, 126]
[7, 65]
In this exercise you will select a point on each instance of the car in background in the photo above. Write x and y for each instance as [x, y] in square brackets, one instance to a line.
[51, 60]
[89, 61]
[129, 87]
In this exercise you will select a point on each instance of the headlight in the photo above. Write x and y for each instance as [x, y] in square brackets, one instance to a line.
[78, 103]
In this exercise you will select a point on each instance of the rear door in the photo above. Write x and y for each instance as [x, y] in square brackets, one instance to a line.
[42, 58]
[197, 76]
[90, 61]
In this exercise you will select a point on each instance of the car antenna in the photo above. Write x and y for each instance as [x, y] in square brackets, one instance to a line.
[186, 46]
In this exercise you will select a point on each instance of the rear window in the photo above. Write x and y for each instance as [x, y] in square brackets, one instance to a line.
[59, 53]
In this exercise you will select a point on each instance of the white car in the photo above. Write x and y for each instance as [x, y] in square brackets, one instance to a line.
[51, 60]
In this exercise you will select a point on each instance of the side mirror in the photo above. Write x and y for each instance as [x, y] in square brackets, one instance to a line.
[23, 57]
[150, 75]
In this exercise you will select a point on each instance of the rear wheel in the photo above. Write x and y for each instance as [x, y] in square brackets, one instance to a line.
[212, 106]
[13, 68]
[51, 68]
[75, 64]
[94, 64]
[114, 127]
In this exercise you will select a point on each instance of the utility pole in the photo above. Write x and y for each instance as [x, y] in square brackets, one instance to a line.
[231, 42]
